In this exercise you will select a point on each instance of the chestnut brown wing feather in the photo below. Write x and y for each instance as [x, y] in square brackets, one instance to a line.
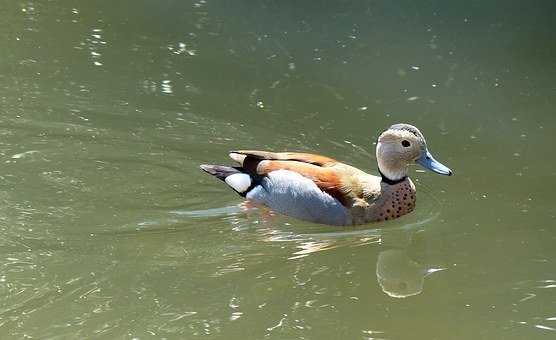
[289, 156]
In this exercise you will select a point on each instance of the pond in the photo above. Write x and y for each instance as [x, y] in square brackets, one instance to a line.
[109, 230]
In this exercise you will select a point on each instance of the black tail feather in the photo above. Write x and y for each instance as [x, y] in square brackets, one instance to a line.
[219, 171]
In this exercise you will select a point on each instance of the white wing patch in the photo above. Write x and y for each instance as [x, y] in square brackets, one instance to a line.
[239, 182]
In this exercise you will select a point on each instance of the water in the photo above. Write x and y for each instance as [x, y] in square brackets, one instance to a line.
[110, 231]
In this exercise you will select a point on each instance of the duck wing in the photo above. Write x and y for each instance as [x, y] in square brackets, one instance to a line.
[284, 156]
[328, 174]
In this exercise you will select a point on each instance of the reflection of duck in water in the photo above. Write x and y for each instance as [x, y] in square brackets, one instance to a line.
[322, 190]
[400, 275]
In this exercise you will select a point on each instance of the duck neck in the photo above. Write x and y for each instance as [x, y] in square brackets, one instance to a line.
[392, 172]
[391, 181]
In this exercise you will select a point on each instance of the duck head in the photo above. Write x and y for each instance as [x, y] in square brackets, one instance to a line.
[402, 145]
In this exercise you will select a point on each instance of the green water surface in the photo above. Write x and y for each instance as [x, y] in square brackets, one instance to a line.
[108, 230]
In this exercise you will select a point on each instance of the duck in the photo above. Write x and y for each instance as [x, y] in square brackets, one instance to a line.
[323, 190]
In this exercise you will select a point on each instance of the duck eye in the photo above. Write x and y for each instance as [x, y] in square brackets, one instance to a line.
[405, 143]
